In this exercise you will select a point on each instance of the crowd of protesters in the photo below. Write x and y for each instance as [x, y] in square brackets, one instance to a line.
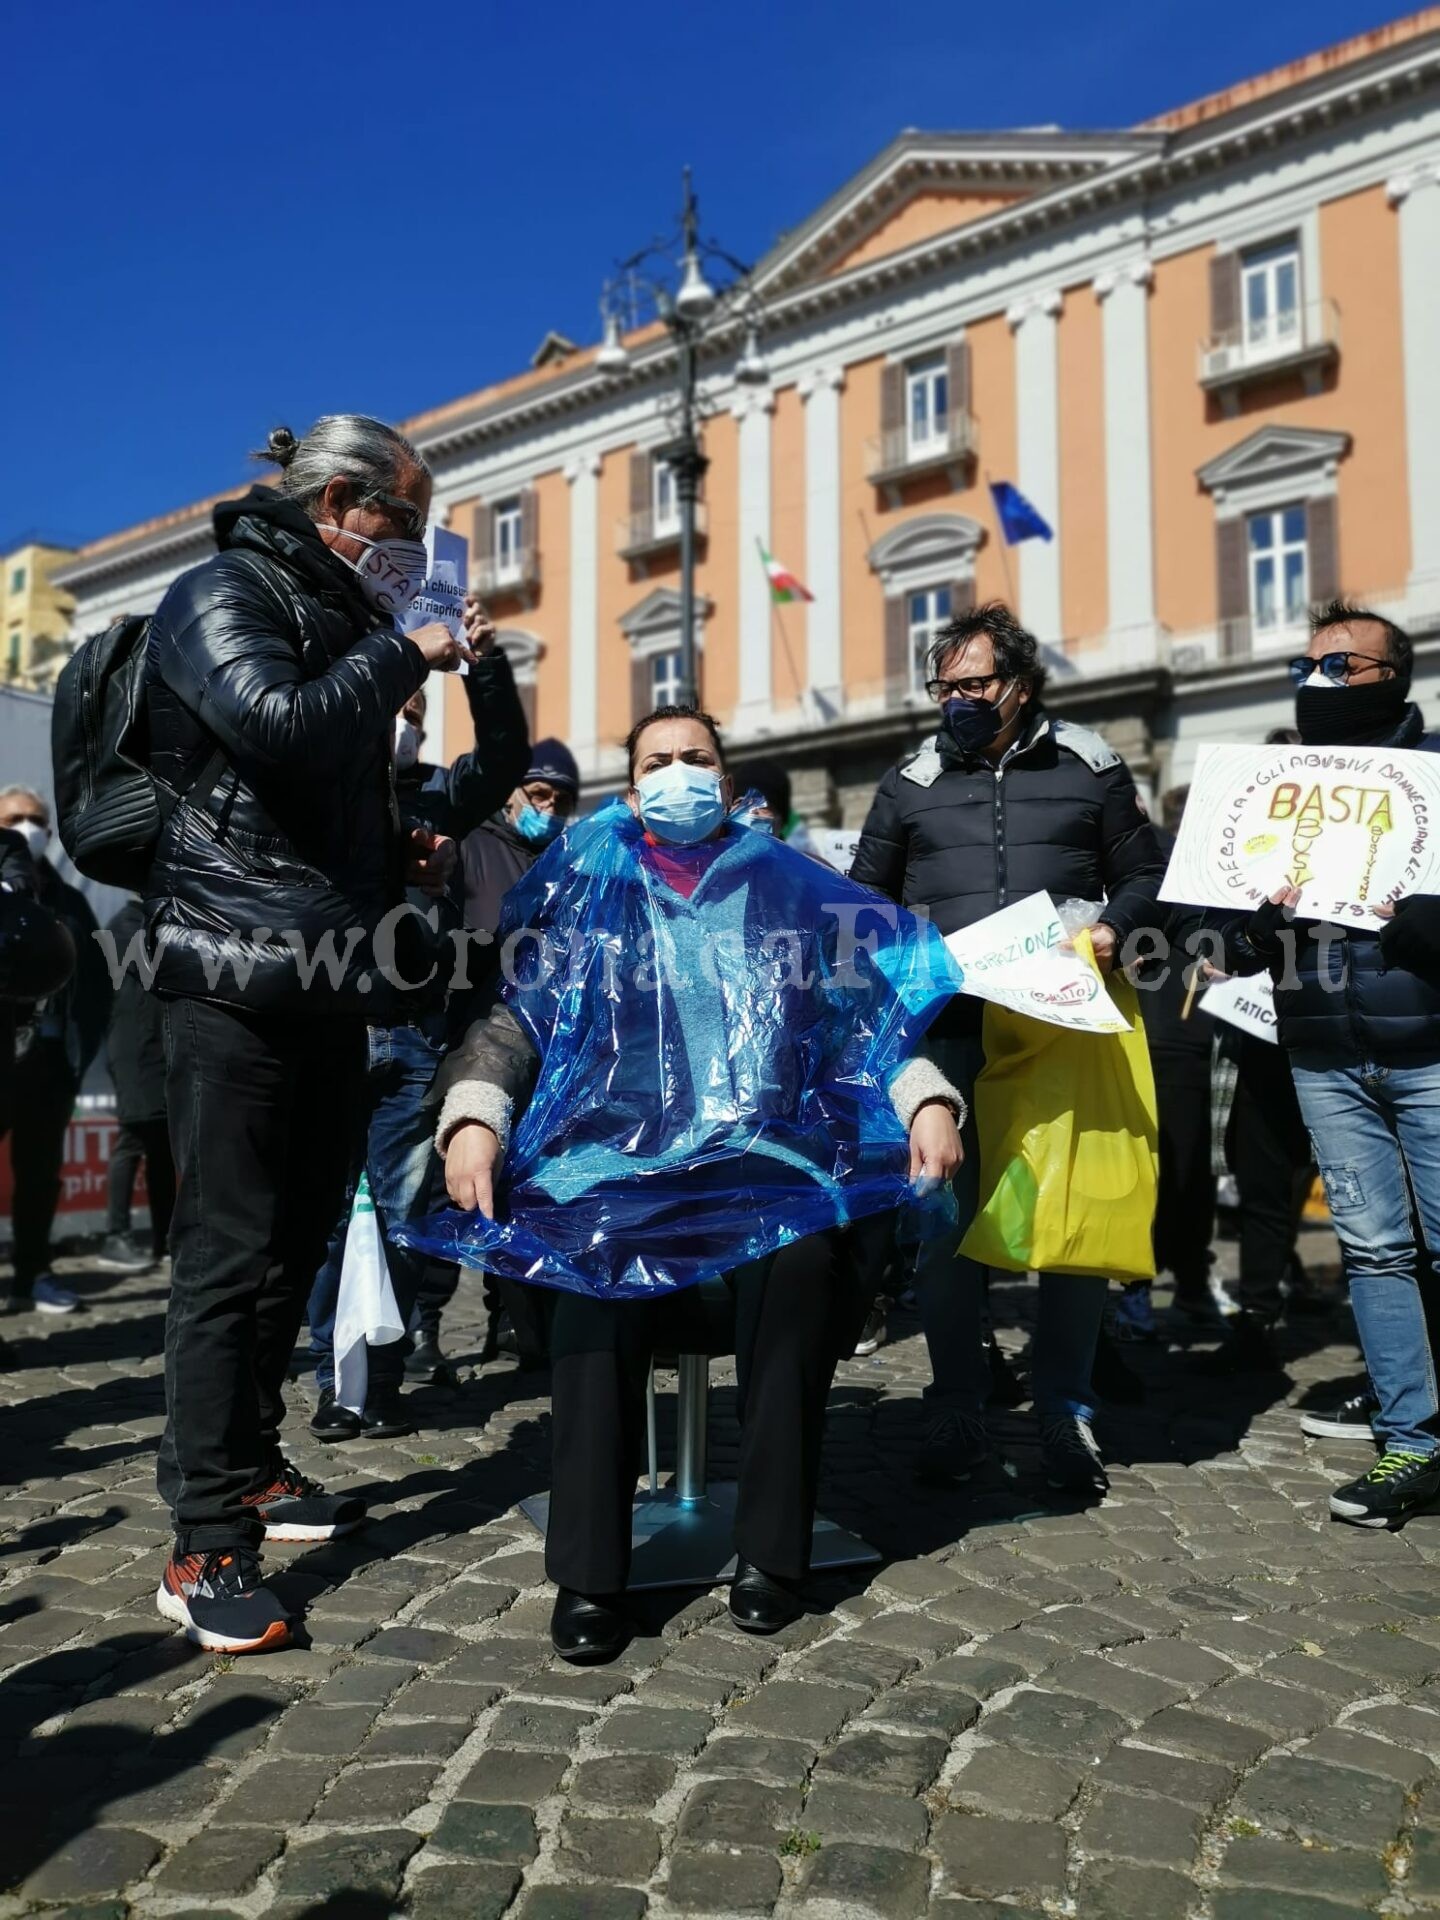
[285, 708]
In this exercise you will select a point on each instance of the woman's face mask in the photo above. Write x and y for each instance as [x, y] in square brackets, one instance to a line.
[391, 572]
[407, 743]
[681, 804]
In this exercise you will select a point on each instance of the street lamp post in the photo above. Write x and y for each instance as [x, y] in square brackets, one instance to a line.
[690, 312]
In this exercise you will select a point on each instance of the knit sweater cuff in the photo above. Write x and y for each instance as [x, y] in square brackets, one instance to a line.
[920, 1080]
[471, 1100]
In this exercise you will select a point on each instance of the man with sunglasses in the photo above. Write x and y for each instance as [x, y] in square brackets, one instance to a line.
[1359, 1014]
[1004, 801]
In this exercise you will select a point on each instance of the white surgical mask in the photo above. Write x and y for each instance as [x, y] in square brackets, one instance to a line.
[681, 804]
[391, 572]
[407, 743]
[1319, 679]
[36, 837]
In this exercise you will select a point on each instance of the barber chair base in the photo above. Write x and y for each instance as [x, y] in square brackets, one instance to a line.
[685, 1543]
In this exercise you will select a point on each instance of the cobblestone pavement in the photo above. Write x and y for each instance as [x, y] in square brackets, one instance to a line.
[1200, 1698]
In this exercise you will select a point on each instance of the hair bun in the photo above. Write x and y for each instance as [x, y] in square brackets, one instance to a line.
[281, 447]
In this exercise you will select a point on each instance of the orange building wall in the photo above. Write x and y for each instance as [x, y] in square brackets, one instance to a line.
[1360, 258]
[1084, 582]
[788, 625]
[1359, 252]
[920, 218]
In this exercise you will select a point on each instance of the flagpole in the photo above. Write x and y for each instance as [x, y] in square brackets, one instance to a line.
[784, 637]
[1004, 547]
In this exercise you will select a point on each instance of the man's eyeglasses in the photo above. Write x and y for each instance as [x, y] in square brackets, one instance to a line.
[1334, 666]
[975, 686]
[407, 515]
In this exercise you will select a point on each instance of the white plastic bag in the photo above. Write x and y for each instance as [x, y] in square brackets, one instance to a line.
[367, 1313]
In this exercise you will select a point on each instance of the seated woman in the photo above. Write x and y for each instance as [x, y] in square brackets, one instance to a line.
[714, 1058]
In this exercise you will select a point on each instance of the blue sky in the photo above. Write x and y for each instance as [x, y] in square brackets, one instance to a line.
[218, 218]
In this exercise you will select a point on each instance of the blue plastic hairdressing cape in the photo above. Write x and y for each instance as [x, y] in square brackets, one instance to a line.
[713, 1071]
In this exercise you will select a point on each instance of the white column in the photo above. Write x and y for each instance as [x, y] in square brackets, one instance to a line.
[1416, 196]
[1129, 504]
[582, 475]
[1037, 411]
[820, 391]
[753, 410]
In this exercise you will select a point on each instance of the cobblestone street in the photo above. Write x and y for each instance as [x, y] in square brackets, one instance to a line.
[1198, 1699]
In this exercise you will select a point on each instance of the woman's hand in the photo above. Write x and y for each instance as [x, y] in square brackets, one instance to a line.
[935, 1149]
[479, 627]
[470, 1162]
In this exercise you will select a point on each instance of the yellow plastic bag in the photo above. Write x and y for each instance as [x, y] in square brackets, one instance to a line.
[1069, 1147]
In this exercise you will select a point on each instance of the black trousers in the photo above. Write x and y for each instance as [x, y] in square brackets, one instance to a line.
[1268, 1150]
[44, 1096]
[147, 1140]
[1185, 1205]
[793, 1313]
[263, 1114]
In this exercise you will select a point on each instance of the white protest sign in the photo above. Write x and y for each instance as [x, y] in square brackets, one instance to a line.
[1018, 958]
[1351, 827]
[447, 574]
[835, 845]
[1248, 1004]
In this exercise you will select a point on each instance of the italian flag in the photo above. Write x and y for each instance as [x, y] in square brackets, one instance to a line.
[784, 587]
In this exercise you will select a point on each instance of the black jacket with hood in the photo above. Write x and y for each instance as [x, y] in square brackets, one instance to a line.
[271, 652]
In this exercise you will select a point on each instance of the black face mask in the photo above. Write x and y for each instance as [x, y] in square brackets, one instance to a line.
[1349, 716]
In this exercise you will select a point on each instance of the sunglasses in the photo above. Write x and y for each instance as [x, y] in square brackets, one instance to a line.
[408, 516]
[1334, 666]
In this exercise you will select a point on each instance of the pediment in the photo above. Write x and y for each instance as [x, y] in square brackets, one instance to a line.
[1272, 453]
[927, 184]
[657, 613]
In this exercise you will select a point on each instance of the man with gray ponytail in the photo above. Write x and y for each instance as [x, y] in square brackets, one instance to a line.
[274, 674]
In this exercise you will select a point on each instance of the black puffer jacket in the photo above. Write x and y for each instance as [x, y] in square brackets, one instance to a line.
[1342, 999]
[271, 651]
[962, 836]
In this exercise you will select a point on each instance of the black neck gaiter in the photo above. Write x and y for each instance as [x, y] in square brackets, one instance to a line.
[1364, 716]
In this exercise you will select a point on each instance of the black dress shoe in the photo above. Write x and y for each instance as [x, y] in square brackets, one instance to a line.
[588, 1629]
[331, 1421]
[385, 1417]
[762, 1602]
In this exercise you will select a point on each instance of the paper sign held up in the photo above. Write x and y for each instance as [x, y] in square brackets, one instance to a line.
[1020, 958]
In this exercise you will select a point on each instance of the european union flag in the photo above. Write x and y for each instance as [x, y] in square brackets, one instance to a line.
[1018, 519]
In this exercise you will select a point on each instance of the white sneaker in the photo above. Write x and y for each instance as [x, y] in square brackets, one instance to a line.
[48, 1296]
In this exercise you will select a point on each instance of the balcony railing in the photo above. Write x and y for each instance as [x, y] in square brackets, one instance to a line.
[1299, 338]
[899, 454]
[517, 572]
[649, 532]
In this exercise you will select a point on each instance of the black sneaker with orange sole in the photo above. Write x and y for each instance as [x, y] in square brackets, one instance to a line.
[296, 1508]
[222, 1603]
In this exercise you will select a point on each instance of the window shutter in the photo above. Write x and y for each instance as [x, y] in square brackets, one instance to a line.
[1232, 586]
[1323, 542]
[897, 650]
[962, 596]
[1224, 294]
[482, 536]
[529, 522]
[892, 399]
[957, 372]
[641, 699]
[640, 485]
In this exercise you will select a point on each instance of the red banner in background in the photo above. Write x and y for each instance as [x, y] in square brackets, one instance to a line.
[84, 1176]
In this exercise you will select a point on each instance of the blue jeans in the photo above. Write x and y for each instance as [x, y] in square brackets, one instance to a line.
[950, 1292]
[1373, 1127]
[401, 1165]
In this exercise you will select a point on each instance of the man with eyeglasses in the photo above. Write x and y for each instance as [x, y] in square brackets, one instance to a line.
[1004, 801]
[1359, 1014]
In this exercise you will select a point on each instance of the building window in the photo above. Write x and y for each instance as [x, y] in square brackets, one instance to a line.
[1279, 569]
[928, 611]
[927, 403]
[665, 678]
[1270, 297]
[17, 580]
[508, 525]
[665, 501]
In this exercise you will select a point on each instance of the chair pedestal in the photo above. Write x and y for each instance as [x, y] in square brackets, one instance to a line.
[684, 1533]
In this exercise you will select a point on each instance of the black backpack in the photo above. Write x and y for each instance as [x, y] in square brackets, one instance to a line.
[110, 808]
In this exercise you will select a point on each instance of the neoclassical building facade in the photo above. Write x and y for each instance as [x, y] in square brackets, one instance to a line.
[1207, 349]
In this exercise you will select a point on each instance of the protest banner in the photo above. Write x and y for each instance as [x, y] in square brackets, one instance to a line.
[447, 574]
[1248, 1004]
[1020, 958]
[84, 1178]
[1350, 827]
[836, 845]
